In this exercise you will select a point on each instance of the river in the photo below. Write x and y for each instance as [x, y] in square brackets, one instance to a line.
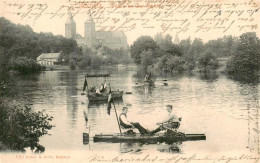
[226, 111]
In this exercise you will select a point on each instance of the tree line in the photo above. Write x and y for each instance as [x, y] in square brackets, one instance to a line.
[20, 46]
[103, 56]
[161, 54]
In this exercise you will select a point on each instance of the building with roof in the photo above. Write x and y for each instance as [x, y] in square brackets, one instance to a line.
[110, 39]
[49, 59]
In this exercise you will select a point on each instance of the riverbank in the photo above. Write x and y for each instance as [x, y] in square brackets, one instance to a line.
[56, 67]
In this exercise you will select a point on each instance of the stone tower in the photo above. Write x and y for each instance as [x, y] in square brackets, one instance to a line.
[70, 27]
[90, 30]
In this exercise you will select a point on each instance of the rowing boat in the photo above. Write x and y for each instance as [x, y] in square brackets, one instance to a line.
[104, 96]
[118, 138]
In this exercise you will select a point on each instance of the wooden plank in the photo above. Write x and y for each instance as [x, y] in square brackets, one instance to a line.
[156, 138]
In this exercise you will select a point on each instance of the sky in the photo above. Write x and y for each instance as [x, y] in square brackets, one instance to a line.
[206, 19]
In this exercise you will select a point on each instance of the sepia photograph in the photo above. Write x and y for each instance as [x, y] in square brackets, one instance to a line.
[100, 81]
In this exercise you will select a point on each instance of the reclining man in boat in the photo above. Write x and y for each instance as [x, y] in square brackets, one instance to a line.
[172, 121]
[124, 123]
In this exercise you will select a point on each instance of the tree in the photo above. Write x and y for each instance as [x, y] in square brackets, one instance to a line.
[72, 64]
[246, 60]
[147, 59]
[142, 44]
[197, 47]
[207, 61]
[21, 127]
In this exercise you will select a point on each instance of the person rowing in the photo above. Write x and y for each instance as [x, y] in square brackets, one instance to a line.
[124, 123]
[172, 121]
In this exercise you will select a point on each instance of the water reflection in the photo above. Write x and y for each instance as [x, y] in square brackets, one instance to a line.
[251, 100]
[161, 147]
[209, 76]
[71, 79]
[245, 78]
[93, 104]
[170, 148]
[131, 147]
[214, 105]
[144, 89]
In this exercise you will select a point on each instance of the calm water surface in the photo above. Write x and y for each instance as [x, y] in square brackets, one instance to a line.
[225, 110]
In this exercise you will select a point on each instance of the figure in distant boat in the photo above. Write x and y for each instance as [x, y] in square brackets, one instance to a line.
[171, 121]
[147, 77]
[98, 91]
[92, 89]
[103, 87]
[124, 123]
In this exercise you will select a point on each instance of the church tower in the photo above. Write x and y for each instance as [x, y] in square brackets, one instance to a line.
[90, 31]
[176, 40]
[70, 27]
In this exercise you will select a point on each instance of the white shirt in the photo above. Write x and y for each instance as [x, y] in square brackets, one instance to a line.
[124, 120]
[97, 91]
[171, 117]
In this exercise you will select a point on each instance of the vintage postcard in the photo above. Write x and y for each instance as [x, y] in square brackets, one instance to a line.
[129, 81]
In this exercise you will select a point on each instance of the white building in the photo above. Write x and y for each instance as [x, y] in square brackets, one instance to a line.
[48, 59]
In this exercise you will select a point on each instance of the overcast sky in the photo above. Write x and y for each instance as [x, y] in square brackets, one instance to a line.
[206, 19]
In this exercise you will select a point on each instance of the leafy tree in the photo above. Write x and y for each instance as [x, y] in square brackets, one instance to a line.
[197, 47]
[207, 61]
[246, 59]
[147, 59]
[25, 65]
[142, 44]
[166, 46]
[72, 64]
[96, 61]
[21, 127]
[22, 41]
[185, 46]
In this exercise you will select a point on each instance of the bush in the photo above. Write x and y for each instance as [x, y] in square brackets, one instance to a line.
[72, 64]
[20, 127]
[207, 61]
[25, 65]
[96, 61]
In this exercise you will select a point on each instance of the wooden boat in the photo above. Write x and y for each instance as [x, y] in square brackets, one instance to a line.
[97, 75]
[104, 96]
[98, 103]
[117, 138]
[148, 82]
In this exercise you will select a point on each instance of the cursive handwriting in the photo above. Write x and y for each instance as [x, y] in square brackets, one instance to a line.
[172, 159]
[179, 16]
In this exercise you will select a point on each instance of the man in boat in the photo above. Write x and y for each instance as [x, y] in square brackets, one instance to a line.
[103, 87]
[147, 77]
[172, 121]
[124, 123]
[98, 91]
[92, 89]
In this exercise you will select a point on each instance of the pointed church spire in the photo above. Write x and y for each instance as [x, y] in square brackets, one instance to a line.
[89, 16]
[176, 40]
[70, 26]
[70, 19]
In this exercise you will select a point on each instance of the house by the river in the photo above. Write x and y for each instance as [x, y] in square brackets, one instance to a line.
[49, 59]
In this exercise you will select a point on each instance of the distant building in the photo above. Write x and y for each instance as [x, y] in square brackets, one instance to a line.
[110, 39]
[176, 40]
[48, 59]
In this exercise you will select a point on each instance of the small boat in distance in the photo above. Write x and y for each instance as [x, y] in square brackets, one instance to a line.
[98, 75]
